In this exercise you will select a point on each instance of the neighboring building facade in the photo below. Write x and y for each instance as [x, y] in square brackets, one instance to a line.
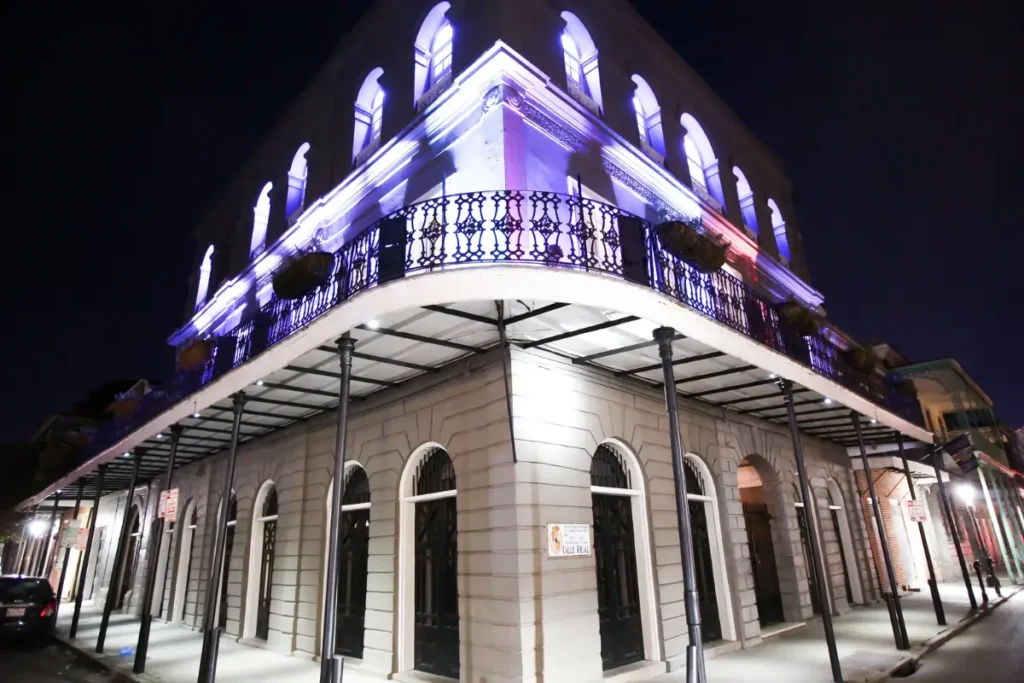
[492, 195]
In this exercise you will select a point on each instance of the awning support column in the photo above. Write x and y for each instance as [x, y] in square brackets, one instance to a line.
[933, 586]
[695, 649]
[817, 567]
[211, 631]
[899, 627]
[937, 456]
[332, 666]
[156, 534]
[88, 551]
[122, 548]
[67, 551]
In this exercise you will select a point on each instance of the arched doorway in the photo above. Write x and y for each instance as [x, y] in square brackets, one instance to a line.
[127, 572]
[708, 552]
[188, 544]
[164, 569]
[229, 545]
[263, 544]
[615, 559]
[805, 545]
[353, 558]
[758, 520]
[428, 600]
[841, 524]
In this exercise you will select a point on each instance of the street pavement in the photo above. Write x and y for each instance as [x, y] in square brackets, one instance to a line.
[990, 651]
[47, 663]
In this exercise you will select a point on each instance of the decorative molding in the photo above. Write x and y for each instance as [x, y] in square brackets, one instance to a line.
[555, 130]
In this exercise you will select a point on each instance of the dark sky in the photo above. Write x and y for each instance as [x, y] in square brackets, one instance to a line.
[901, 130]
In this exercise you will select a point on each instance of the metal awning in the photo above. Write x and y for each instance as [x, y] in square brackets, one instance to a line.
[399, 347]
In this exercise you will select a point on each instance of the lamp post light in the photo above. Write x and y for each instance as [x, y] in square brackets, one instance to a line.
[967, 494]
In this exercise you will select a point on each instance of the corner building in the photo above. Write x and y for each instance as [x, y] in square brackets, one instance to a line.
[490, 178]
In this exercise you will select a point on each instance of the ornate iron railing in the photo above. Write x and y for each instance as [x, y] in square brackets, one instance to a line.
[518, 228]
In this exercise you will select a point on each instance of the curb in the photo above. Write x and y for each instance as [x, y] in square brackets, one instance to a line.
[929, 646]
[108, 662]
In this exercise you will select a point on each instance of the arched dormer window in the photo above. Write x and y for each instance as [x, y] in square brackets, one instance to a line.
[701, 163]
[260, 218]
[204, 277]
[581, 70]
[369, 117]
[746, 196]
[648, 120]
[779, 228]
[433, 48]
[296, 198]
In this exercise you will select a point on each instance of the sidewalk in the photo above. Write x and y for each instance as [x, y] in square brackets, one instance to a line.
[864, 640]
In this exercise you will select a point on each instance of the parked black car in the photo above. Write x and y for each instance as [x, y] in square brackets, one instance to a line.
[28, 608]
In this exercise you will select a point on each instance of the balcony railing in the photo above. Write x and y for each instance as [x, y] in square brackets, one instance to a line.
[518, 228]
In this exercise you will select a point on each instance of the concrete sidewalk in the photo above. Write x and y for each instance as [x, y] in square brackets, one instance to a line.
[864, 639]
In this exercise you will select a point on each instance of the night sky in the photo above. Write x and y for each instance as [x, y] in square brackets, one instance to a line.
[900, 129]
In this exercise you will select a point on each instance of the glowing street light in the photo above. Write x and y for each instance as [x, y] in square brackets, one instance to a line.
[966, 493]
[37, 527]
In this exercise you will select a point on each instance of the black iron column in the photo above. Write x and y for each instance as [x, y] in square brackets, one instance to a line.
[156, 533]
[695, 648]
[67, 551]
[211, 631]
[332, 666]
[88, 551]
[981, 553]
[817, 567]
[122, 548]
[900, 627]
[951, 522]
[44, 556]
[933, 586]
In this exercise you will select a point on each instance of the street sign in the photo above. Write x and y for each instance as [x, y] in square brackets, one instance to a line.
[568, 540]
[169, 505]
[70, 534]
[917, 511]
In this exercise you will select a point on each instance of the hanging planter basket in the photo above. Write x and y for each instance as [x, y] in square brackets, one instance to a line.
[906, 387]
[862, 360]
[301, 275]
[800, 319]
[197, 354]
[701, 251]
[124, 406]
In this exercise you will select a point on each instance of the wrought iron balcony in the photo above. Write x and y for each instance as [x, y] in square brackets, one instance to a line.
[539, 229]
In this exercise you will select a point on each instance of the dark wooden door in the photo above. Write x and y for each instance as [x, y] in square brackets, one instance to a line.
[266, 579]
[437, 592]
[618, 593]
[707, 596]
[352, 569]
[842, 556]
[812, 583]
[762, 560]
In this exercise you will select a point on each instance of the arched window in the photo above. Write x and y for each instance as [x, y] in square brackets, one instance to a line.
[352, 546]
[428, 609]
[225, 572]
[131, 556]
[369, 116]
[260, 218]
[648, 120]
[581, 70]
[203, 287]
[702, 164]
[433, 50]
[746, 196]
[627, 613]
[263, 544]
[296, 199]
[779, 228]
[187, 545]
[713, 594]
[841, 525]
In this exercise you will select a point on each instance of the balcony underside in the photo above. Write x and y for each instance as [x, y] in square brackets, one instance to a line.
[395, 348]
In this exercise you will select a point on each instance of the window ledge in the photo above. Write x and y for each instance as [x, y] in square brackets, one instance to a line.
[583, 98]
[367, 152]
[652, 153]
[429, 97]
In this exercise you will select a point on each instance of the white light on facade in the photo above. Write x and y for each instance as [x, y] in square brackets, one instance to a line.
[966, 493]
[259, 383]
[827, 401]
[373, 324]
[196, 415]
[37, 527]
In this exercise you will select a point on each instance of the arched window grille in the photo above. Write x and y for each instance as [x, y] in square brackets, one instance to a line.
[435, 474]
